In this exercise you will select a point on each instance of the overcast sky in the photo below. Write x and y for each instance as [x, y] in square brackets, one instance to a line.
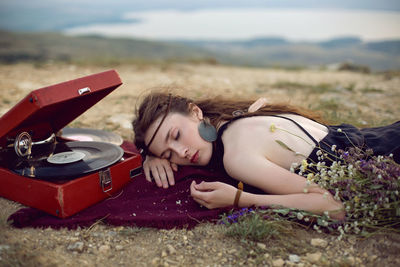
[61, 15]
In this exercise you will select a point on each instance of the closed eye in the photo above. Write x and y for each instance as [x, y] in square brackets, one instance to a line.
[177, 135]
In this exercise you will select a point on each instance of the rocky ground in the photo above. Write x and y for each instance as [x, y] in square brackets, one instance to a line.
[363, 99]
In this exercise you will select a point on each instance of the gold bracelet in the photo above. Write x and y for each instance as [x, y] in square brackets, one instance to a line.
[238, 193]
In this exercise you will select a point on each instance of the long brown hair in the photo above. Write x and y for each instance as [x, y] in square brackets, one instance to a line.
[216, 110]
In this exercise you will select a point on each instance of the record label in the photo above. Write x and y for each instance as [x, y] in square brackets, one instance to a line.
[66, 157]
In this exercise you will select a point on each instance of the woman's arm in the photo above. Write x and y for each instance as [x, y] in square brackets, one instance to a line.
[283, 187]
[218, 195]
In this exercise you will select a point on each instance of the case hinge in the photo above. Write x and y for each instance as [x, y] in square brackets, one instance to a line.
[105, 180]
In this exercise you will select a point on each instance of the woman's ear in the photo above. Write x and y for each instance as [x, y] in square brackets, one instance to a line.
[195, 111]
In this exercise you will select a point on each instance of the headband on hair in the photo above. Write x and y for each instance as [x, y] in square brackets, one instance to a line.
[146, 148]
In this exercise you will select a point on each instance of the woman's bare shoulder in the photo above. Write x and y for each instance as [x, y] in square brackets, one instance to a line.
[246, 135]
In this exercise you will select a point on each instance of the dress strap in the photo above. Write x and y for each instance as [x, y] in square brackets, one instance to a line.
[298, 125]
[223, 127]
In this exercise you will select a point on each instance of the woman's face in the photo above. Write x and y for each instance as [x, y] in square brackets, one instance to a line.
[178, 139]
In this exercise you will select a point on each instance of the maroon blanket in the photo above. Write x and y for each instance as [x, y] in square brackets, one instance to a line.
[140, 203]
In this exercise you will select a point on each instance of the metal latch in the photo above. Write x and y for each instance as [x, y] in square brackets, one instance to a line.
[105, 180]
[135, 172]
[84, 90]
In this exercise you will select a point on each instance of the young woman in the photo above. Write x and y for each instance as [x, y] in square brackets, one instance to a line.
[172, 130]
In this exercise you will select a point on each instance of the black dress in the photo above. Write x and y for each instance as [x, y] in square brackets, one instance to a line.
[383, 140]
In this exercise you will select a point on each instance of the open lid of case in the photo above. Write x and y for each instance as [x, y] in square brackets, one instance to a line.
[47, 110]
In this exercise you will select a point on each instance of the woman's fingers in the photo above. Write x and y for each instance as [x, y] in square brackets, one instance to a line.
[159, 170]
[206, 186]
[156, 176]
[162, 175]
[170, 175]
[201, 202]
[201, 190]
[174, 166]
[198, 195]
[213, 194]
[146, 170]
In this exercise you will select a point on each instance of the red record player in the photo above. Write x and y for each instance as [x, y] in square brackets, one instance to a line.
[41, 169]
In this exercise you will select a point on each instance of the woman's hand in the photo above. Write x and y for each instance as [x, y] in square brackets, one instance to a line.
[159, 170]
[213, 195]
[259, 103]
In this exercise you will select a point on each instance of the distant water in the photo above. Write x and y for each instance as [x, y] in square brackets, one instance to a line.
[239, 24]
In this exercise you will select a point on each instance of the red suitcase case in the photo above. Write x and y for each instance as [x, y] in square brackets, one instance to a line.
[42, 113]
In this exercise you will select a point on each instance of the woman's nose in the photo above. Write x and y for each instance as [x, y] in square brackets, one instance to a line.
[181, 151]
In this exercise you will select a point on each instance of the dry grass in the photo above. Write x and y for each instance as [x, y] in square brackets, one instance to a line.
[362, 99]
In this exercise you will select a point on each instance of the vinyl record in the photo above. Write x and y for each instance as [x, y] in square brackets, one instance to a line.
[85, 134]
[87, 157]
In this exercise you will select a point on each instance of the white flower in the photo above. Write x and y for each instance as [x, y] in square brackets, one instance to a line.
[371, 213]
[333, 148]
[300, 216]
[339, 130]
[350, 167]
[319, 167]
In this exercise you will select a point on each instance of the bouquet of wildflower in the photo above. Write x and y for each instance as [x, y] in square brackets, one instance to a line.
[367, 185]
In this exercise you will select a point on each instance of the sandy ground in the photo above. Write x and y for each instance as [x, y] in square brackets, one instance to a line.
[363, 99]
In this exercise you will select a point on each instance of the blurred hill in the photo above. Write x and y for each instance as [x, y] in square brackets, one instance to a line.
[261, 52]
[278, 52]
[42, 47]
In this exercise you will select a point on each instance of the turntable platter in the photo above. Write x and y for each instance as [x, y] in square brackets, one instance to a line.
[85, 134]
[94, 156]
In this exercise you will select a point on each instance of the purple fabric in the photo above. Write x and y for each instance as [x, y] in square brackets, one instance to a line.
[140, 203]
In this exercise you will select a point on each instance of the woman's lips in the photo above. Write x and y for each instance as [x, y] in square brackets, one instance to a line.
[195, 157]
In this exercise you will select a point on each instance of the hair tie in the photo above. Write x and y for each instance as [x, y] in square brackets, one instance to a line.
[238, 112]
